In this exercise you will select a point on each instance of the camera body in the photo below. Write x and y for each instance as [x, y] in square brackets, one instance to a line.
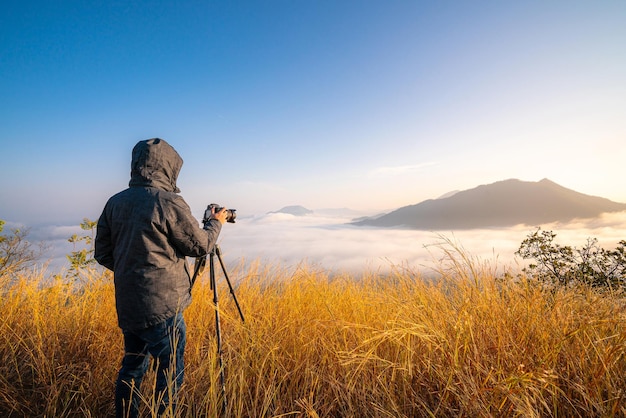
[231, 214]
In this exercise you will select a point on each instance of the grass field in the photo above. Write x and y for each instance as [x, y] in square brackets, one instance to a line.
[315, 345]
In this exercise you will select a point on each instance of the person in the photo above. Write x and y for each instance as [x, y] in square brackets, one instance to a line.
[143, 236]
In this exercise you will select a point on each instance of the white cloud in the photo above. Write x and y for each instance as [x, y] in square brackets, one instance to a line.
[331, 244]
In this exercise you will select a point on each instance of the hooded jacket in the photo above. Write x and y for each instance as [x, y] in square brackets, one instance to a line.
[143, 236]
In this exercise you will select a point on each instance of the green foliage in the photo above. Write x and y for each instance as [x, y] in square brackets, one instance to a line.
[82, 258]
[564, 265]
[16, 252]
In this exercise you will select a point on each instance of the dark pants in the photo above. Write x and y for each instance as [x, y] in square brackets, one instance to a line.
[165, 342]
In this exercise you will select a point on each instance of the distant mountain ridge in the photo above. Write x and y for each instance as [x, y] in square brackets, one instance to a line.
[295, 210]
[504, 203]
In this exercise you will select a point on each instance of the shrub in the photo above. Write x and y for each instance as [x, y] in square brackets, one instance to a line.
[16, 252]
[565, 265]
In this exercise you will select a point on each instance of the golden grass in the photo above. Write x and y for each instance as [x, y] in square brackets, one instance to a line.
[391, 345]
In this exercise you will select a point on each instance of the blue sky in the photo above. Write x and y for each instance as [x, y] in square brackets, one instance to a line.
[363, 104]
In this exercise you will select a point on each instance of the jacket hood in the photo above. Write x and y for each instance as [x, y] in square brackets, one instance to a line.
[155, 163]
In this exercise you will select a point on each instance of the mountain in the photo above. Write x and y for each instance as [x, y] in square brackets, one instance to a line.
[449, 194]
[504, 203]
[294, 210]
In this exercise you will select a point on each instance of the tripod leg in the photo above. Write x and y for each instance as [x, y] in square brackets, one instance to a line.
[218, 332]
[230, 286]
[198, 267]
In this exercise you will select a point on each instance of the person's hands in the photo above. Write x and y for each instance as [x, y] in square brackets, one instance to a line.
[220, 216]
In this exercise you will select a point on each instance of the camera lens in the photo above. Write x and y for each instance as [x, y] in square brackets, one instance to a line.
[231, 215]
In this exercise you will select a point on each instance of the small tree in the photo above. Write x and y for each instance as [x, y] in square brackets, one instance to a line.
[82, 258]
[16, 252]
[565, 265]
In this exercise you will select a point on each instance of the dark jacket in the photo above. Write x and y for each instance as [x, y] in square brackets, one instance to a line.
[143, 236]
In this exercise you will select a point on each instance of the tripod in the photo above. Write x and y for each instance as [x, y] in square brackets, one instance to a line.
[200, 264]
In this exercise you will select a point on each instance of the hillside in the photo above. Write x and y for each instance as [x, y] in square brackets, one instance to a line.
[504, 203]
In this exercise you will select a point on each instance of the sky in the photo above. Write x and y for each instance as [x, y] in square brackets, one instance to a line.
[366, 105]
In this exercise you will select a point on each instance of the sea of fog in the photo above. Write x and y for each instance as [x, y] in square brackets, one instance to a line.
[330, 243]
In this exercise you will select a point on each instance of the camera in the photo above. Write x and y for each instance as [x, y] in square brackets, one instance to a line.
[231, 214]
